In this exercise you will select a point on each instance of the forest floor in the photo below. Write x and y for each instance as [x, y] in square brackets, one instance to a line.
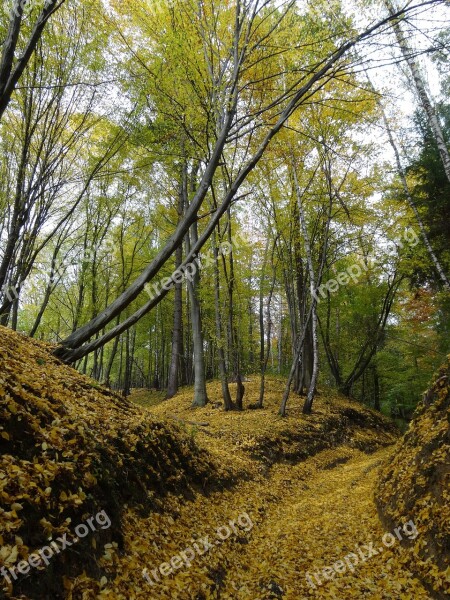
[292, 521]
[201, 504]
[304, 518]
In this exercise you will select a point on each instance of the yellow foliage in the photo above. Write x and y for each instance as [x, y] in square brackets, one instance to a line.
[169, 475]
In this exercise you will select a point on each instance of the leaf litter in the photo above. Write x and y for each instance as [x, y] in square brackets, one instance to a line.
[169, 475]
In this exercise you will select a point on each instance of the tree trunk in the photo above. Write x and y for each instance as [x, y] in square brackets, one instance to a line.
[73, 346]
[109, 366]
[172, 386]
[421, 91]
[295, 363]
[262, 352]
[376, 389]
[307, 361]
[413, 206]
[232, 329]
[307, 407]
[200, 395]
[10, 73]
[48, 292]
[227, 402]
[240, 391]
[264, 356]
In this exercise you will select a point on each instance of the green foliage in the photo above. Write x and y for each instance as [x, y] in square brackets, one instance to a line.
[431, 190]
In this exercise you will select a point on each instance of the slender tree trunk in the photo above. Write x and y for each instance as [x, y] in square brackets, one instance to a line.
[10, 73]
[227, 402]
[376, 389]
[200, 395]
[264, 356]
[94, 299]
[119, 378]
[48, 292]
[15, 314]
[268, 349]
[82, 285]
[251, 350]
[177, 334]
[425, 101]
[304, 365]
[307, 364]
[280, 339]
[129, 353]
[412, 204]
[262, 352]
[234, 344]
[112, 356]
[172, 386]
[297, 359]
[307, 407]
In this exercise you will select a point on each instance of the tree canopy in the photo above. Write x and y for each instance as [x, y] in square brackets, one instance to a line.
[196, 190]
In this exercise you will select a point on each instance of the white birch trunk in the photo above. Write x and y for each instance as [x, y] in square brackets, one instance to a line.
[421, 91]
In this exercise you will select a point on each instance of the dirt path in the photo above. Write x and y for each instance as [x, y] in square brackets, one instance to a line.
[304, 519]
[331, 518]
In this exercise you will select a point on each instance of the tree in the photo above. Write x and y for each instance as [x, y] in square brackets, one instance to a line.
[11, 69]
[50, 156]
[228, 85]
[424, 98]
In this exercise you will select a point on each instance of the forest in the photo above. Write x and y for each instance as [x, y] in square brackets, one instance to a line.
[233, 217]
[194, 191]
